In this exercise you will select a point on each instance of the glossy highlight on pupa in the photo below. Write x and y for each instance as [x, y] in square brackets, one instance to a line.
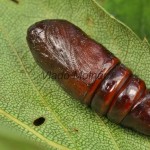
[109, 87]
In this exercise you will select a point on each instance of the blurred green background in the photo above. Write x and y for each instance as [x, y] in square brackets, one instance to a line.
[133, 13]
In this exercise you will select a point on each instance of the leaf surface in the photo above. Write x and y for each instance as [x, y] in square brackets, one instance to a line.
[26, 96]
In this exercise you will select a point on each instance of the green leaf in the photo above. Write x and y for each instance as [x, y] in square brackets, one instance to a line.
[26, 96]
[12, 141]
[135, 13]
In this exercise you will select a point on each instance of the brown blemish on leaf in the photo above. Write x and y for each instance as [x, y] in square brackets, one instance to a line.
[75, 129]
[90, 21]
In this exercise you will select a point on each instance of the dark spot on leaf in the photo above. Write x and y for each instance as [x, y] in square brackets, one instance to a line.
[15, 1]
[39, 121]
